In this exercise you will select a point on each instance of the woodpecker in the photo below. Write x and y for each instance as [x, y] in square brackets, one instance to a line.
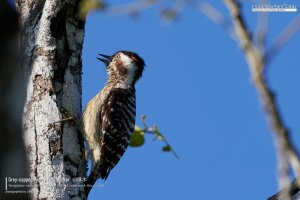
[109, 118]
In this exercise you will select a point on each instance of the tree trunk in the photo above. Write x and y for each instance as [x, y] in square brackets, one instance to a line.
[51, 46]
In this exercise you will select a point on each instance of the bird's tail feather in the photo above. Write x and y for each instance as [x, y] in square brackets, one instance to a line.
[98, 171]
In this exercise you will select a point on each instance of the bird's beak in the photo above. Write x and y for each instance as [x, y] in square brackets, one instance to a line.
[107, 60]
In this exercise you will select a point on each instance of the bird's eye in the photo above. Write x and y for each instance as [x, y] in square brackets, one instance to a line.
[118, 56]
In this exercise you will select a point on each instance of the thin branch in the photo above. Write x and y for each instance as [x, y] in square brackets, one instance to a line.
[216, 16]
[157, 134]
[240, 26]
[262, 30]
[132, 8]
[255, 59]
[171, 14]
[162, 137]
[284, 37]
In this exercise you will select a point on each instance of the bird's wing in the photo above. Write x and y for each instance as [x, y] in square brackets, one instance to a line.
[118, 120]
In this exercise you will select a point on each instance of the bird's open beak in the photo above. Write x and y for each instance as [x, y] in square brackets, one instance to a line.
[107, 60]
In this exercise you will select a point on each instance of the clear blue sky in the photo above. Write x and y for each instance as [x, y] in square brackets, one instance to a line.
[196, 87]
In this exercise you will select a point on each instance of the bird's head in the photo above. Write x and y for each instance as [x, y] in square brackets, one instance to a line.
[125, 64]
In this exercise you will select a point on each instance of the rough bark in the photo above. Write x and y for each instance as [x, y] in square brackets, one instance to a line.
[51, 45]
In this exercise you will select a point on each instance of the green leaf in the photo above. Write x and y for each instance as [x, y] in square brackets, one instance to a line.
[137, 139]
[166, 148]
[137, 128]
[85, 6]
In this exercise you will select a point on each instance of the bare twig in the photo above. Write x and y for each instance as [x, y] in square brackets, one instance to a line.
[162, 137]
[134, 8]
[131, 8]
[286, 151]
[157, 134]
[283, 38]
[262, 30]
[68, 118]
[216, 16]
[171, 14]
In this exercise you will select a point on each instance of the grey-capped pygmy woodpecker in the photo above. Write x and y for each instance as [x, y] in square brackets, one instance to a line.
[109, 118]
